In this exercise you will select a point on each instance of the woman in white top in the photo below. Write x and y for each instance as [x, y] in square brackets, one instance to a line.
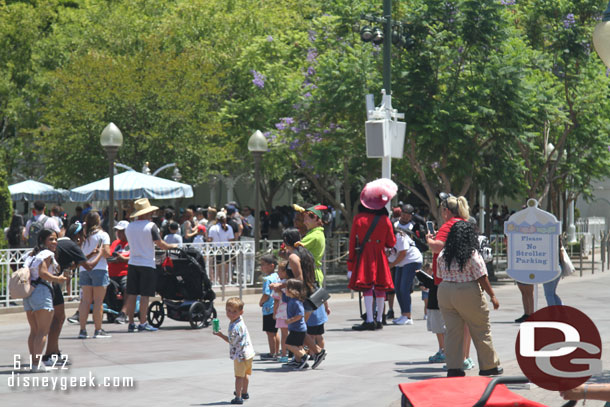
[94, 282]
[39, 305]
[407, 259]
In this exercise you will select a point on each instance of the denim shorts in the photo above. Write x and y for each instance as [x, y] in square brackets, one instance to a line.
[41, 298]
[95, 278]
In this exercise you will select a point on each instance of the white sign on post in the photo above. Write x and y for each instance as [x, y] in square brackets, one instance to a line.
[533, 245]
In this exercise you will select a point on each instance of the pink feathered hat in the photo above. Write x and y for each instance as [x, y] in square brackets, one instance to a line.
[376, 194]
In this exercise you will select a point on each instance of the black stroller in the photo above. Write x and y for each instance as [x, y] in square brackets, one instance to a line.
[185, 288]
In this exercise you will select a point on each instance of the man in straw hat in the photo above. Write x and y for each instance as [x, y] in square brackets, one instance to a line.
[142, 235]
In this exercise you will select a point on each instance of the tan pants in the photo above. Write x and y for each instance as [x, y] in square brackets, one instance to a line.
[464, 303]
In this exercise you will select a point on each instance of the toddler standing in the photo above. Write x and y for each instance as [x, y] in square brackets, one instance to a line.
[241, 350]
[279, 308]
[268, 264]
[297, 329]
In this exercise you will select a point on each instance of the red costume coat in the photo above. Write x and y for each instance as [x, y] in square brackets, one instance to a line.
[372, 269]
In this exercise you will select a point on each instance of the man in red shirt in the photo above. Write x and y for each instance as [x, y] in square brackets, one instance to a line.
[117, 265]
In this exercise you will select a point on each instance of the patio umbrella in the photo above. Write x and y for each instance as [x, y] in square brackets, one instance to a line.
[31, 190]
[131, 185]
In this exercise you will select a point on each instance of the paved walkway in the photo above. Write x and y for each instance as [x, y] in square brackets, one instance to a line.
[179, 366]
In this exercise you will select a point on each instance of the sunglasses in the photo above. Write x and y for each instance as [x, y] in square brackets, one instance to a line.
[312, 215]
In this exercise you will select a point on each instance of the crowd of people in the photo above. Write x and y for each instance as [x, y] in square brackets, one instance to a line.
[385, 256]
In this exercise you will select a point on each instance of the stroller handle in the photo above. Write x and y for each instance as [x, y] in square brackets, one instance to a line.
[508, 380]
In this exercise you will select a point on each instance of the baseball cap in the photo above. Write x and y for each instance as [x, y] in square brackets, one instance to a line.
[121, 225]
[408, 208]
[200, 227]
[221, 215]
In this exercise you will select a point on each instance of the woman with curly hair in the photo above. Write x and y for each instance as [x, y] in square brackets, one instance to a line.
[461, 300]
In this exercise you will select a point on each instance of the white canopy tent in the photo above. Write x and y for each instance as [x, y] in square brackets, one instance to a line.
[31, 190]
[130, 185]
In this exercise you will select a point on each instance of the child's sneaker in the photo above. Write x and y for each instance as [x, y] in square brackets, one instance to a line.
[82, 334]
[302, 364]
[291, 363]
[121, 318]
[74, 318]
[146, 327]
[131, 327]
[267, 356]
[244, 396]
[237, 400]
[438, 357]
[100, 333]
[318, 358]
[468, 364]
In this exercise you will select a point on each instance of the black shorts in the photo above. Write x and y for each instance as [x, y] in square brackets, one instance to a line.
[308, 306]
[122, 282]
[315, 330]
[58, 296]
[295, 338]
[269, 323]
[141, 280]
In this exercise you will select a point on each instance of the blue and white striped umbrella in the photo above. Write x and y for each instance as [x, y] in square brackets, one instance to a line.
[131, 185]
[31, 190]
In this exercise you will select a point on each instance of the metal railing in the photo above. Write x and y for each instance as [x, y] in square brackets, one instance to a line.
[228, 265]
[11, 260]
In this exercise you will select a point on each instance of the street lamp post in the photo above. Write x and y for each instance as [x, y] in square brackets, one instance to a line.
[257, 145]
[384, 133]
[111, 139]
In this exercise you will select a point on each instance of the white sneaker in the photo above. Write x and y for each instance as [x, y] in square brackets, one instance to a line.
[409, 321]
[40, 369]
[401, 320]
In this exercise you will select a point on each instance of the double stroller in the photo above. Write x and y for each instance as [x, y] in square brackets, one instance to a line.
[185, 289]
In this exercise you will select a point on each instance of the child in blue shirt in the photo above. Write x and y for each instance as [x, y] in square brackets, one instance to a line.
[268, 264]
[297, 329]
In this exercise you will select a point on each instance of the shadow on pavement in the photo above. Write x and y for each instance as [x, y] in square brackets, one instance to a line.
[421, 370]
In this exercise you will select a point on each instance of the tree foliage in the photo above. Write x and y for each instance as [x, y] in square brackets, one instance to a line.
[485, 87]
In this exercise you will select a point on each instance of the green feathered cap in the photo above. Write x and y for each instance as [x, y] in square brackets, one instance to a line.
[317, 210]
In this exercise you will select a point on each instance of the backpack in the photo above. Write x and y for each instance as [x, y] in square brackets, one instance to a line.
[34, 230]
[485, 249]
[19, 285]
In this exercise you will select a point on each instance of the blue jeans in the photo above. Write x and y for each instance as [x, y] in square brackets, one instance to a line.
[550, 289]
[404, 277]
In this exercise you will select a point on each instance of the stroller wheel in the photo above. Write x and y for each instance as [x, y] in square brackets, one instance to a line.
[156, 315]
[210, 313]
[197, 315]
[110, 317]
